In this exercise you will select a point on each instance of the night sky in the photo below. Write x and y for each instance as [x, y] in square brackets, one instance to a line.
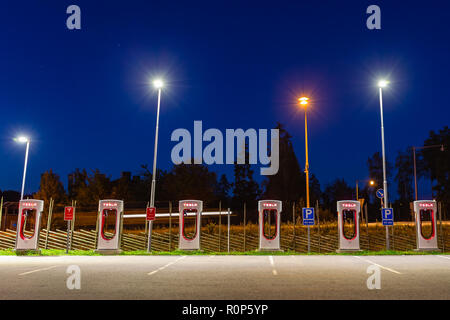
[83, 96]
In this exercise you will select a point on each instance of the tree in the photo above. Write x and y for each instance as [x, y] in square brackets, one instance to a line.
[245, 188]
[222, 189]
[404, 178]
[336, 191]
[289, 184]
[405, 175]
[92, 187]
[77, 182]
[189, 181]
[437, 161]
[51, 187]
[10, 196]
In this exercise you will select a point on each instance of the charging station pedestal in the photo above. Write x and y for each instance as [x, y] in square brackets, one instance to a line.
[348, 225]
[189, 239]
[110, 219]
[28, 226]
[426, 231]
[269, 225]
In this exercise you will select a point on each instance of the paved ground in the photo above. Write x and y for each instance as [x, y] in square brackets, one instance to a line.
[225, 277]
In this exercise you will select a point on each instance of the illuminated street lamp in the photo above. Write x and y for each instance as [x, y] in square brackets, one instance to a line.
[383, 84]
[23, 139]
[158, 84]
[303, 101]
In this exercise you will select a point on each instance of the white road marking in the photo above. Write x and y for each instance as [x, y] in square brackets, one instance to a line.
[274, 272]
[165, 266]
[383, 267]
[444, 257]
[37, 270]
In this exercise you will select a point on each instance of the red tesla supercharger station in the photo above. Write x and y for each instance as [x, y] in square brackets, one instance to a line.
[189, 209]
[348, 225]
[425, 214]
[269, 215]
[28, 225]
[110, 219]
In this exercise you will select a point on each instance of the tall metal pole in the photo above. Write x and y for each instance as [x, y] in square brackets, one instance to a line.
[25, 169]
[357, 198]
[307, 172]
[228, 244]
[306, 161]
[385, 197]
[415, 173]
[152, 192]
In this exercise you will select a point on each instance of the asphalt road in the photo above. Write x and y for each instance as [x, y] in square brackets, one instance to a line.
[225, 277]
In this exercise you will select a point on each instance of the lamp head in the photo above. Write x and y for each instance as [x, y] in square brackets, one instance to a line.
[158, 83]
[303, 101]
[383, 83]
[22, 139]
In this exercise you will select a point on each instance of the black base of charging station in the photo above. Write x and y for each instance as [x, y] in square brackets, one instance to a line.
[108, 252]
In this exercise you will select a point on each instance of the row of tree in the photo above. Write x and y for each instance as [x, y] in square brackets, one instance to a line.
[196, 181]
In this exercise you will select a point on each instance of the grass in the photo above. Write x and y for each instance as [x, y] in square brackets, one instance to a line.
[54, 252]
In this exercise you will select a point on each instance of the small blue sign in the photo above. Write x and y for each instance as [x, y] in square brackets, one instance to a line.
[387, 216]
[380, 193]
[308, 216]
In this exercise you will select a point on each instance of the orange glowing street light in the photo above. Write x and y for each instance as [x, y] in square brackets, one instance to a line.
[303, 101]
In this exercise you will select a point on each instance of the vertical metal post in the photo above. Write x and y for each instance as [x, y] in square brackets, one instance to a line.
[146, 226]
[306, 162]
[74, 205]
[357, 187]
[228, 230]
[170, 225]
[220, 222]
[1, 213]
[385, 202]
[96, 227]
[293, 226]
[152, 192]
[25, 169]
[49, 221]
[309, 241]
[415, 172]
[318, 221]
[367, 226]
[440, 223]
[245, 217]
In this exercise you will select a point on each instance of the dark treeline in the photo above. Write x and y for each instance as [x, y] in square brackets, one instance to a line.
[196, 181]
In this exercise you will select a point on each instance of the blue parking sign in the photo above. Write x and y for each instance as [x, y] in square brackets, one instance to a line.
[308, 216]
[387, 216]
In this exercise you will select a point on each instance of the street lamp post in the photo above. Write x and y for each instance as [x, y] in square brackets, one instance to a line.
[382, 84]
[158, 84]
[304, 102]
[414, 156]
[27, 141]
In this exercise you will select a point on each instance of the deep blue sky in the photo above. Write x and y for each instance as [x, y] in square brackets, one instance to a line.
[83, 95]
